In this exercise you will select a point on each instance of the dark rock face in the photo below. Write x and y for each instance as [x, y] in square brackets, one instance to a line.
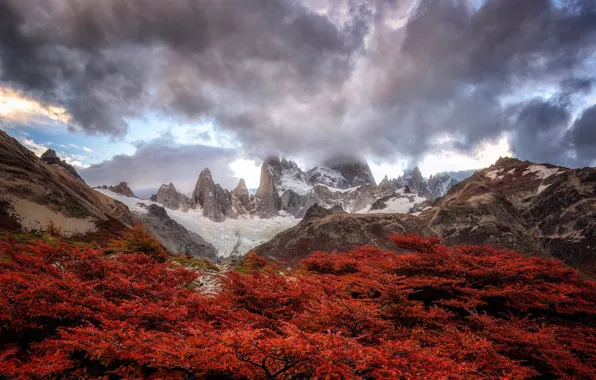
[328, 177]
[292, 202]
[50, 158]
[168, 196]
[174, 237]
[356, 173]
[439, 185]
[267, 191]
[213, 199]
[122, 189]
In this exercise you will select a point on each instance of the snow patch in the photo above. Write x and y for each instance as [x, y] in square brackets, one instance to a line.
[494, 174]
[399, 204]
[336, 190]
[541, 188]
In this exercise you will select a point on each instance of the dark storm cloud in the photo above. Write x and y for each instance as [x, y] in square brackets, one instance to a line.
[163, 161]
[454, 67]
[328, 78]
[108, 60]
[583, 136]
[539, 131]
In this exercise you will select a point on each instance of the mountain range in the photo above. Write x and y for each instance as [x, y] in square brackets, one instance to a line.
[286, 189]
[539, 209]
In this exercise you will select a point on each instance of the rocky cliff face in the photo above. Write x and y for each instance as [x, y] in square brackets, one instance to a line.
[174, 237]
[267, 192]
[355, 172]
[439, 185]
[170, 198]
[212, 198]
[241, 191]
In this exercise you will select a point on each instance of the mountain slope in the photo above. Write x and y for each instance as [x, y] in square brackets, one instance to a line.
[538, 208]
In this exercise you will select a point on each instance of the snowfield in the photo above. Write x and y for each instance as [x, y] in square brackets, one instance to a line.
[231, 237]
[541, 171]
[401, 203]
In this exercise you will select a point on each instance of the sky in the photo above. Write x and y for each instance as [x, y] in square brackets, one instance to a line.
[151, 92]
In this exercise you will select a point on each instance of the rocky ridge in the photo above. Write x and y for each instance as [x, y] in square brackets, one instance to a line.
[333, 230]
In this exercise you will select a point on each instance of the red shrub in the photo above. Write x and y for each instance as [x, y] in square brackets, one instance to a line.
[460, 313]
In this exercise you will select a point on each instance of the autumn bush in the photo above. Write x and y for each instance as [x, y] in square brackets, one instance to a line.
[53, 230]
[436, 313]
[138, 240]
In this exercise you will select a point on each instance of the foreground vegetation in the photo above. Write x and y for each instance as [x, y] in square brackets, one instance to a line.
[439, 312]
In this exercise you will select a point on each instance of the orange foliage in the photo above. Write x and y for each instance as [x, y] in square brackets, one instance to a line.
[138, 240]
[436, 313]
[53, 230]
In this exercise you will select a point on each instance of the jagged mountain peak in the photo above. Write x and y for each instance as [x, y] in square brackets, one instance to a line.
[356, 171]
[241, 190]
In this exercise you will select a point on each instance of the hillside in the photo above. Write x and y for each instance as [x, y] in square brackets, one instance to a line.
[33, 193]
[333, 230]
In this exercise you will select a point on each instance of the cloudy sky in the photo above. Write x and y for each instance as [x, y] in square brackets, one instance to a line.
[152, 91]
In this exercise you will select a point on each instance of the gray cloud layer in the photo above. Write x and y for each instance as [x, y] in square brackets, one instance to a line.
[163, 161]
[386, 78]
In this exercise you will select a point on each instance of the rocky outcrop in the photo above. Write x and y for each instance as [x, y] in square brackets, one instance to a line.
[401, 201]
[174, 237]
[50, 158]
[122, 189]
[36, 191]
[336, 231]
[170, 198]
